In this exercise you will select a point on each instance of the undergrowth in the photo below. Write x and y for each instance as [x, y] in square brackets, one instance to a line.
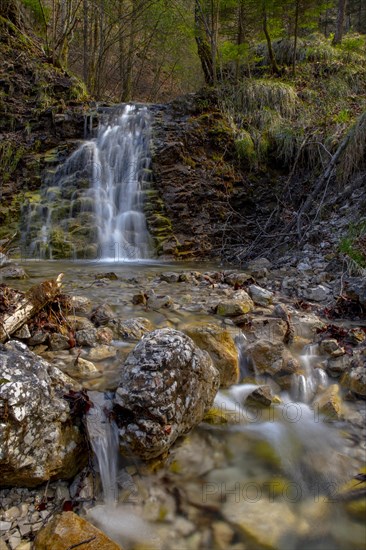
[353, 245]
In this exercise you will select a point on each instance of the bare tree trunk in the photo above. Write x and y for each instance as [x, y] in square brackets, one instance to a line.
[204, 49]
[338, 35]
[296, 31]
[271, 54]
[85, 42]
[240, 35]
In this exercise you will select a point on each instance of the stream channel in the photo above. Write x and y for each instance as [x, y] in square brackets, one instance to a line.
[265, 478]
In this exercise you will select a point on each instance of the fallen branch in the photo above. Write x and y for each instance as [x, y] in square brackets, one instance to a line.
[28, 305]
[320, 183]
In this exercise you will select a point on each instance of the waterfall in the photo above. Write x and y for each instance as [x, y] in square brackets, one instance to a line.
[92, 206]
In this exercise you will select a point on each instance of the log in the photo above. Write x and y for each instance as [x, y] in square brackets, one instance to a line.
[28, 305]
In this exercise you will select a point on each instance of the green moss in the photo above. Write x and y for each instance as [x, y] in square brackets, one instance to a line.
[10, 155]
[245, 149]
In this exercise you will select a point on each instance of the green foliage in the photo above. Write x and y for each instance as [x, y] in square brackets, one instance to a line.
[38, 10]
[353, 244]
[245, 149]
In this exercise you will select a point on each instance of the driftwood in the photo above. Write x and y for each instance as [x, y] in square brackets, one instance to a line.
[28, 305]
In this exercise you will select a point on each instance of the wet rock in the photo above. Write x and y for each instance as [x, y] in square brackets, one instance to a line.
[305, 325]
[260, 296]
[111, 276]
[338, 365]
[170, 277]
[86, 337]
[271, 358]
[139, 299]
[102, 315]
[355, 380]
[39, 439]
[265, 328]
[218, 342]
[80, 304]
[58, 342]
[234, 307]
[68, 529]
[158, 302]
[13, 272]
[166, 386]
[104, 335]
[265, 522]
[237, 279]
[260, 397]
[100, 353]
[133, 329]
[82, 369]
[329, 402]
[330, 346]
[79, 323]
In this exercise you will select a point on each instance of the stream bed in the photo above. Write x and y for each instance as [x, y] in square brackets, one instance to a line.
[249, 477]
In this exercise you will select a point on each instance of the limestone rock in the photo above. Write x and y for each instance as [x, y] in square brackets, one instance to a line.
[329, 402]
[58, 342]
[264, 523]
[260, 296]
[338, 365]
[167, 384]
[358, 381]
[170, 277]
[23, 333]
[13, 272]
[82, 369]
[102, 315]
[80, 304]
[86, 337]
[68, 529]
[271, 358]
[102, 352]
[316, 294]
[133, 329]
[39, 440]
[265, 328]
[218, 342]
[239, 304]
[78, 322]
[330, 346]
[260, 397]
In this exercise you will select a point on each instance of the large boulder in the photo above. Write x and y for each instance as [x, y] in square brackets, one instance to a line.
[167, 384]
[38, 439]
[220, 345]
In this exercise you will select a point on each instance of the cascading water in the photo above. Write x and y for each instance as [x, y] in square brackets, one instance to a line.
[92, 207]
[103, 436]
[306, 385]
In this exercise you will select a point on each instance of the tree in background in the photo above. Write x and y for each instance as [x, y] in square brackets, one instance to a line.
[338, 35]
[155, 49]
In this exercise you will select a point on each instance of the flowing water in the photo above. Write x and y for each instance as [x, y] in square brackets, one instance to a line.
[269, 478]
[92, 206]
[103, 436]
